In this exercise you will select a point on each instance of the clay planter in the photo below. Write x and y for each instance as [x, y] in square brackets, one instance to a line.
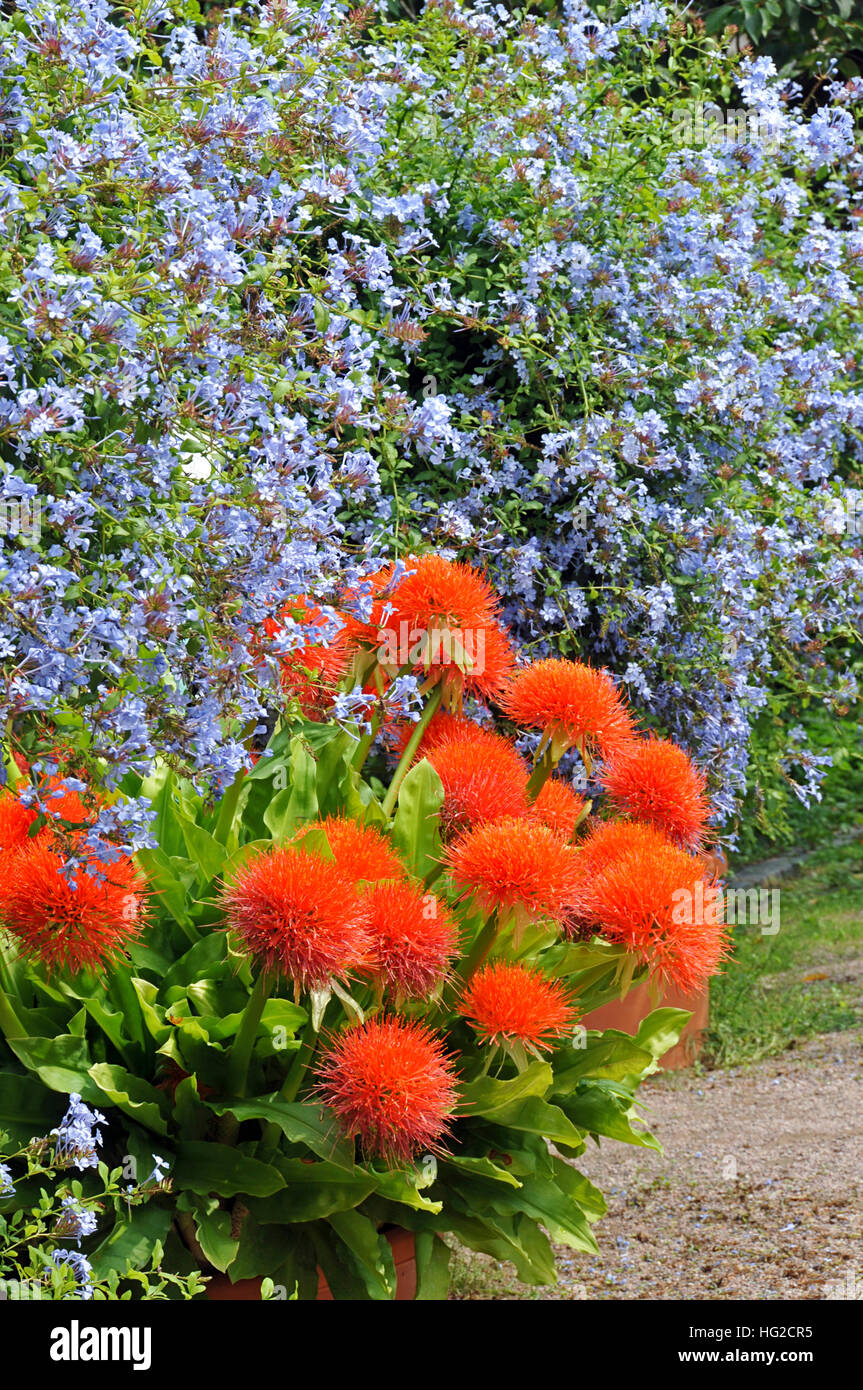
[221, 1290]
[626, 1014]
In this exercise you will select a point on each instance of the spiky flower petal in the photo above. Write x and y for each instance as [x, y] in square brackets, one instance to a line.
[507, 1002]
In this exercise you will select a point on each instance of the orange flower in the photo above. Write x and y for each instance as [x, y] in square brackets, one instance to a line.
[361, 852]
[655, 781]
[517, 1003]
[558, 807]
[390, 1083]
[441, 726]
[15, 821]
[299, 914]
[516, 864]
[69, 920]
[309, 673]
[443, 620]
[413, 937]
[483, 778]
[641, 890]
[574, 704]
[59, 802]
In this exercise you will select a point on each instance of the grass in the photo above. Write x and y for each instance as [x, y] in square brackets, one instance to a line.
[804, 980]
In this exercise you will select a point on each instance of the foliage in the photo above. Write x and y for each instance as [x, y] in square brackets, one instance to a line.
[804, 36]
[216, 1045]
[37, 1224]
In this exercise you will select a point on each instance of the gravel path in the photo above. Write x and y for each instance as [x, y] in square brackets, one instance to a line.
[758, 1194]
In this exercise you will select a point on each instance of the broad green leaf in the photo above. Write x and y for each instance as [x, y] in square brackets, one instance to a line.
[300, 1124]
[661, 1030]
[62, 1063]
[214, 1236]
[313, 1190]
[488, 1097]
[134, 1096]
[210, 1167]
[372, 1256]
[433, 1260]
[416, 828]
[610, 1055]
[594, 1109]
[133, 1240]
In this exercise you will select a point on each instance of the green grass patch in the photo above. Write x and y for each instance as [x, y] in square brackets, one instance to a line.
[804, 980]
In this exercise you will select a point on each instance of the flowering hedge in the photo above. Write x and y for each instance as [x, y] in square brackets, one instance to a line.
[288, 288]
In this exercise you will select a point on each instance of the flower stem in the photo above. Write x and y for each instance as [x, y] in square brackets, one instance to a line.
[411, 747]
[480, 949]
[292, 1083]
[237, 1074]
[541, 773]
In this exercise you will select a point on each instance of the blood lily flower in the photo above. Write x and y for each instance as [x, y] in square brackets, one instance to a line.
[441, 620]
[559, 807]
[360, 852]
[81, 917]
[392, 1086]
[516, 866]
[309, 672]
[483, 777]
[511, 1003]
[655, 781]
[574, 705]
[641, 890]
[413, 938]
[297, 914]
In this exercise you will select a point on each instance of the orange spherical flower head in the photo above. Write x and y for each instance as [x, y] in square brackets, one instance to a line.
[483, 777]
[392, 1086]
[651, 896]
[559, 807]
[15, 821]
[80, 918]
[574, 705]
[362, 853]
[414, 938]
[298, 914]
[655, 781]
[516, 866]
[442, 620]
[309, 673]
[508, 1003]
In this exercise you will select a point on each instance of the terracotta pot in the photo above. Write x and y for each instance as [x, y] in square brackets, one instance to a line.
[626, 1014]
[220, 1289]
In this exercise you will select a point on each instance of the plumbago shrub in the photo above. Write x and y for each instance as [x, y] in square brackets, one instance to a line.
[291, 290]
[333, 1005]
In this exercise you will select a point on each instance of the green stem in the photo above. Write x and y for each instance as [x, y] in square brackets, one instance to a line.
[411, 747]
[480, 949]
[10, 1024]
[291, 1085]
[237, 1074]
[541, 773]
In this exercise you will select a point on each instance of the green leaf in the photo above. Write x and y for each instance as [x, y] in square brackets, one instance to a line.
[416, 828]
[300, 1124]
[133, 1241]
[480, 1168]
[433, 1260]
[27, 1109]
[594, 1108]
[214, 1236]
[610, 1055]
[535, 1116]
[313, 1190]
[62, 1063]
[134, 1096]
[661, 1030]
[488, 1097]
[210, 1167]
[371, 1252]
